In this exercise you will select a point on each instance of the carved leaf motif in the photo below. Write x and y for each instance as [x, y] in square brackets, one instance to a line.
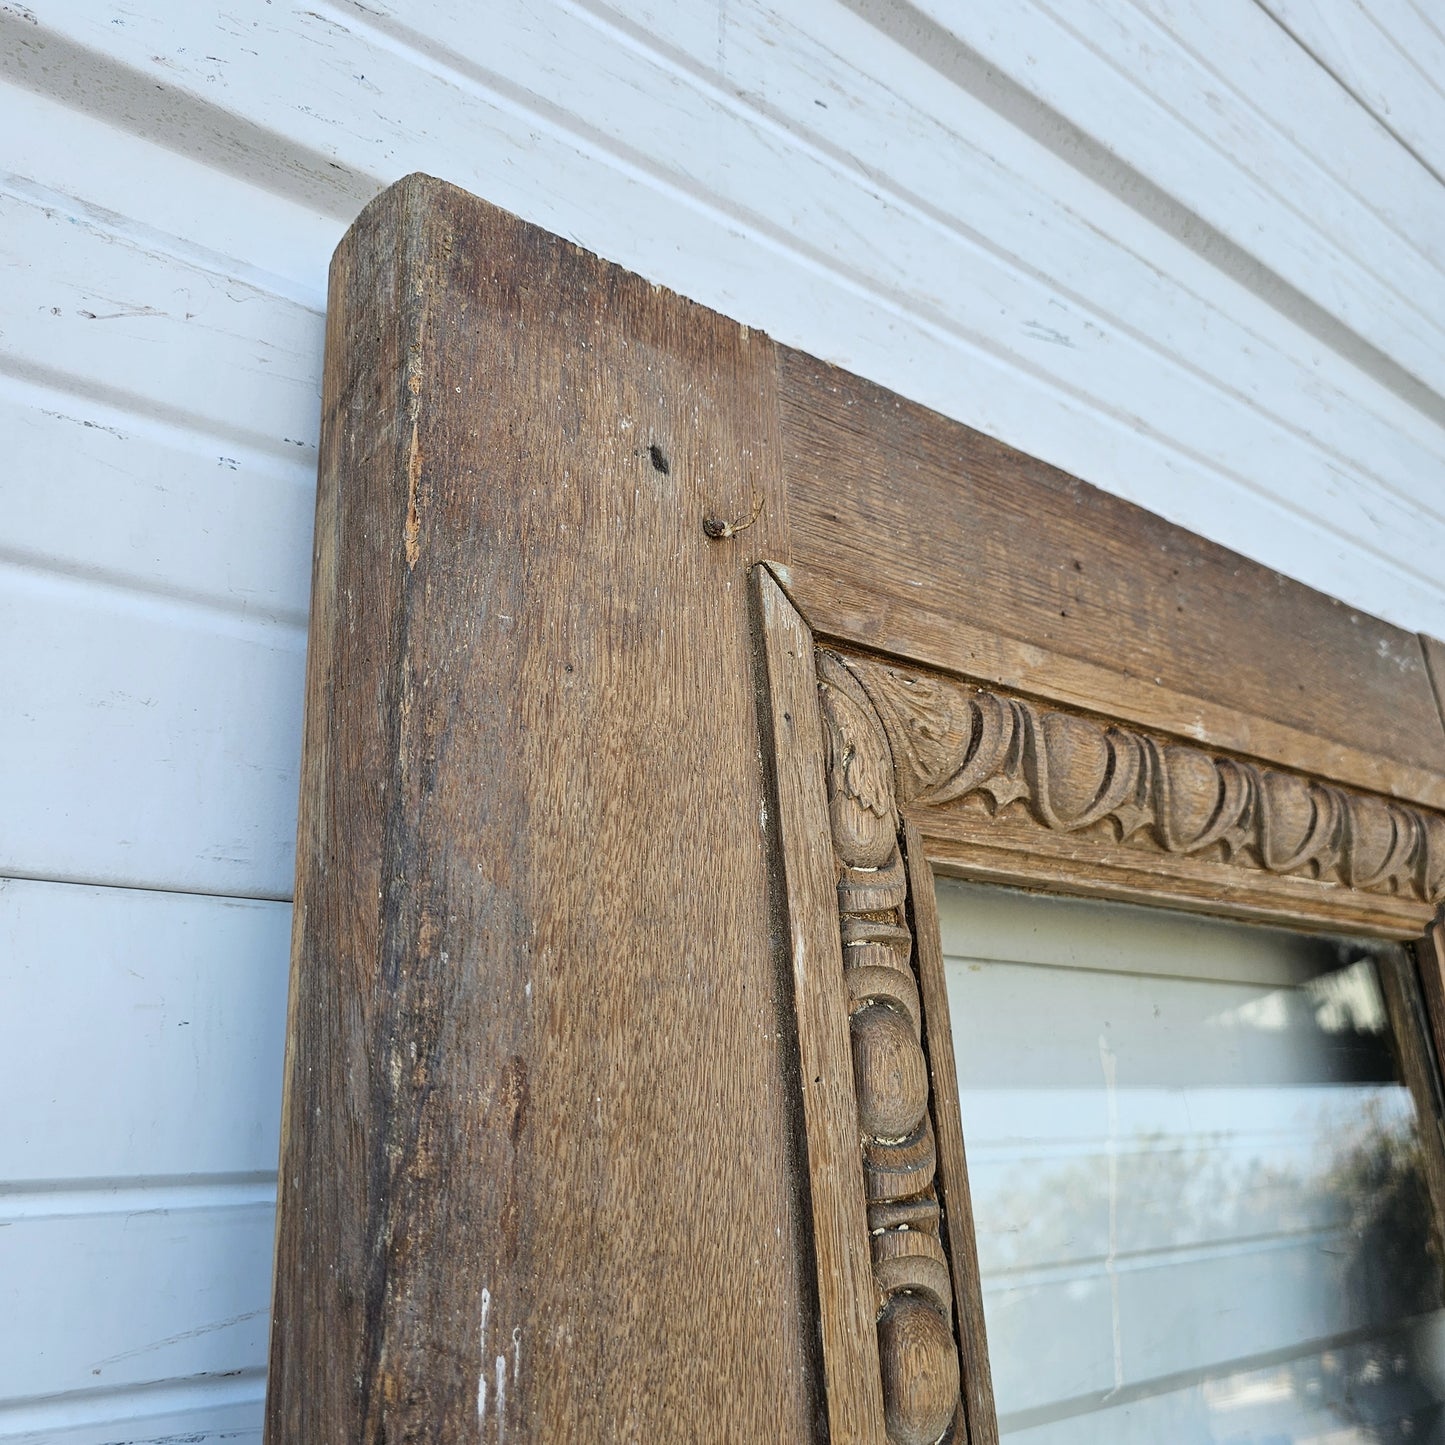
[950, 740]
[930, 728]
[1382, 844]
[860, 770]
[1079, 773]
[1300, 824]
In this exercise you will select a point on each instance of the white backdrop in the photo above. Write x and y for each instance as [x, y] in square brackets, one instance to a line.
[1191, 250]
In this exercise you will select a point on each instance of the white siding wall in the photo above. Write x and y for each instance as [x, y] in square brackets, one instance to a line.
[1192, 250]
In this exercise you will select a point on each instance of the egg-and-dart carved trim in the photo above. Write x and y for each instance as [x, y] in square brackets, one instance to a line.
[918, 1354]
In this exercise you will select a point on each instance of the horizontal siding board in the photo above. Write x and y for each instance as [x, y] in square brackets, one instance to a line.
[1118, 77]
[192, 209]
[107, 1300]
[153, 506]
[1387, 55]
[155, 332]
[145, 1034]
[1382, 194]
[224, 1411]
[148, 743]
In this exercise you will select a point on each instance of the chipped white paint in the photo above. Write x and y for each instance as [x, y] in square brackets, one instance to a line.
[1190, 251]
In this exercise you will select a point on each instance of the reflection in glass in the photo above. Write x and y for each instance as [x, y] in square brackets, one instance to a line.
[1198, 1179]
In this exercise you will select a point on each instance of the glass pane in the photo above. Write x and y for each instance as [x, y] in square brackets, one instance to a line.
[1197, 1176]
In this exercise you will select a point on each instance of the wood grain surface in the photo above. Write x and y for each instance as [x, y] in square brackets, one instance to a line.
[541, 1173]
[916, 536]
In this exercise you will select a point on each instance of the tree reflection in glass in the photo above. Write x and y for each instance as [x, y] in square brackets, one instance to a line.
[1199, 1182]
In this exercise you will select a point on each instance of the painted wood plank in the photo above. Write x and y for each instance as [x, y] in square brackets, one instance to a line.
[101, 492]
[127, 179]
[189, 1412]
[1116, 76]
[104, 1300]
[143, 1032]
[1279, 100]
[1387, 54]
[148, 743]
[154, 332]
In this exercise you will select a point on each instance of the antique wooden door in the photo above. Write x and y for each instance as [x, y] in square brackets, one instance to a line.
[656, 670]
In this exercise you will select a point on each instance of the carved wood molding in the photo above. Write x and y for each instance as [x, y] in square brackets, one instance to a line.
[895, 739]
[918, 1356]
[1076, 775]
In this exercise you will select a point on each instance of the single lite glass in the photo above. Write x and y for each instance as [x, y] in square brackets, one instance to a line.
[1200, 1183]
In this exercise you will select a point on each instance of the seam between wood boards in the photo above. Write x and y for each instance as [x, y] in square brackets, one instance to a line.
[1310, 157]
[318, 179]
[31, 385]
[701, 79]
[107, 224]
[95, 1198]
[1426, 19]
[80, 880]
[1160, 208]
[241, 1386]
[275, 620]
[1437, 684]
[38, 373]
[1382, 120]
[265, 628]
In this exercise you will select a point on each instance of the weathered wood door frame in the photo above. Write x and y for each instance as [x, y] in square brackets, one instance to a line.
[886, 774]
[570, 1109]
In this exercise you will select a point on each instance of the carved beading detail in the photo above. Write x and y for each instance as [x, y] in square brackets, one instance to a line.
[949, 741]
[918, 1356]
[895, 738]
